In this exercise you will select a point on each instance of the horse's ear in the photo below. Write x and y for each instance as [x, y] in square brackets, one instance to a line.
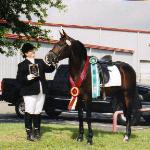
[61, 34]
[64, 33]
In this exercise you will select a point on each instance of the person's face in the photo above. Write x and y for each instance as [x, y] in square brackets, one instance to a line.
[30, 54]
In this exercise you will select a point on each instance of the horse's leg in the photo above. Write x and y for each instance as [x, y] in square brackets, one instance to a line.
[88, 116]
[80, 116]
[127, 112]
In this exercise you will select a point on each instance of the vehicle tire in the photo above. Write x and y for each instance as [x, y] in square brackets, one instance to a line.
[146, 118]
[121, 119]
[20, 109]
[50, 106]
[52, 113]
[146, 115]
[134, 120]
[117, 107]
[136, 116]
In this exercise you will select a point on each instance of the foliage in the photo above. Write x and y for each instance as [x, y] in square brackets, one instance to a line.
[11, 10]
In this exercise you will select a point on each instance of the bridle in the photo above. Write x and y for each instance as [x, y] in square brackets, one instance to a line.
[56, 56]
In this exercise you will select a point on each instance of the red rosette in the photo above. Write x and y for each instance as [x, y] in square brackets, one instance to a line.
[74, 91]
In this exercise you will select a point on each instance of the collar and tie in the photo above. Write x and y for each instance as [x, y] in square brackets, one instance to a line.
[32, 60]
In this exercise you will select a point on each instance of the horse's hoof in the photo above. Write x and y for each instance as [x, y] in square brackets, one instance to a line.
[126, 138]
[79, 139]
[90, 142]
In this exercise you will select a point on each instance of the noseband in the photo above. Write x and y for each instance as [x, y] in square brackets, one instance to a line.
[56, 56]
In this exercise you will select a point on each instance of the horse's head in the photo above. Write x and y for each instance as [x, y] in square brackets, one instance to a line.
[60, 50]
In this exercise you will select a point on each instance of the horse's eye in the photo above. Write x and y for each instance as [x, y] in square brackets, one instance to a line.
[60, 44]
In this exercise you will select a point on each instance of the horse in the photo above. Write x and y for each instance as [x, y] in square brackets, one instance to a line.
[67, 47]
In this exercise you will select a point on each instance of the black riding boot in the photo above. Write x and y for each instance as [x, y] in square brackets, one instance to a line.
[37, 124]
[30, 136]
[28, 126]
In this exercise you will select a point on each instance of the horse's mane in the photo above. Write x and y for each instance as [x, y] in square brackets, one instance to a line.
[79, 49]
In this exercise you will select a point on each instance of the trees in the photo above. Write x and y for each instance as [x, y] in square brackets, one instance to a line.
[10, 12]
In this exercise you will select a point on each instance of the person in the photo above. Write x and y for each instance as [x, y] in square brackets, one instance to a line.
[33, 89]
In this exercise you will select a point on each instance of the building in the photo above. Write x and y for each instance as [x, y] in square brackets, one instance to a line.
[131, 46]
[128, 45]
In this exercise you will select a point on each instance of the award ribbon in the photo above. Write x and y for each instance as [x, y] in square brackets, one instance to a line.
[95, 78]
[75, 86]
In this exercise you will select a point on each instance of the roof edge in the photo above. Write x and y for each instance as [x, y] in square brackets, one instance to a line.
[99, 47]
[83, 27]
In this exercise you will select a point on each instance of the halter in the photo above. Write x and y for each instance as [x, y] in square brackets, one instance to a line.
[55, 56]
[59, 53]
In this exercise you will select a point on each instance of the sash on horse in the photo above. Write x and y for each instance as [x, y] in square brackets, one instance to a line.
[75, 86]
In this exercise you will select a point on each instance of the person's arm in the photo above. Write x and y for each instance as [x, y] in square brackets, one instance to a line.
[48, 68]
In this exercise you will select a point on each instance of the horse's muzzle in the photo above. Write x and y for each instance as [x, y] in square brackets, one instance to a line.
[51, 59]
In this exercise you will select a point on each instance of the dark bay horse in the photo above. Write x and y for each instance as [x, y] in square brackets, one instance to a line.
[68, 47]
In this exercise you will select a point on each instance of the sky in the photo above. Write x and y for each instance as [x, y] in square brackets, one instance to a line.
[107, 13]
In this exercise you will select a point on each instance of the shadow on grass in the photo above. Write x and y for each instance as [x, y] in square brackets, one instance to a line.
[74, 131]
[12, 118]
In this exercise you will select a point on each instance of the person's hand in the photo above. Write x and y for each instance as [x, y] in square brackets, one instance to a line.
[31, 76]
[55, 65]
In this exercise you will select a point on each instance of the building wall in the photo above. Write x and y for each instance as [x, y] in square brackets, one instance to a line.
[8, 66]
[136, 41]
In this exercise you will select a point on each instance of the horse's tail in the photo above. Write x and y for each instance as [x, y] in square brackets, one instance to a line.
[128, 76]
[129, 85]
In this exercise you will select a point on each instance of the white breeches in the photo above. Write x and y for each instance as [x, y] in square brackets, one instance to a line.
[34, 103]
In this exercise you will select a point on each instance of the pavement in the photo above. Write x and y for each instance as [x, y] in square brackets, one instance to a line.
[99, 121]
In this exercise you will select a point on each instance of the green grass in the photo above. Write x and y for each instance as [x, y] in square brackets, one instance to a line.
[62, 137]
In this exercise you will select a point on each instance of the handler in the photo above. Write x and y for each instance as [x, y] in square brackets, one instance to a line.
[31, 76]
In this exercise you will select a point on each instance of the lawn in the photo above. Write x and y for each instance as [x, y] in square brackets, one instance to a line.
[62, 137]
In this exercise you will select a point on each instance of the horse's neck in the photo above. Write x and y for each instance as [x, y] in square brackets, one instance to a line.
[76, 66]
[77, 59]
